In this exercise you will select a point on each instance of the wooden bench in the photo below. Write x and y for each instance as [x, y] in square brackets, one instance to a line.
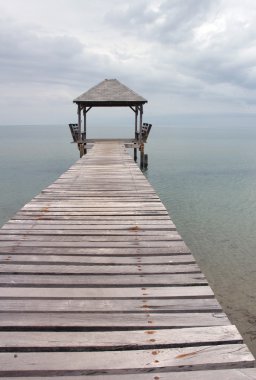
[145, 131]
[74, 132]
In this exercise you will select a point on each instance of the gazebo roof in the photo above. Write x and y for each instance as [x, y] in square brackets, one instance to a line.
[110, 93]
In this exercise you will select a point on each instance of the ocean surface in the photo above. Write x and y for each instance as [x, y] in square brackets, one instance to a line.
[205, 176]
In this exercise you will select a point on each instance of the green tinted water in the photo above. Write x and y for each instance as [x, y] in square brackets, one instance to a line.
[207, 180]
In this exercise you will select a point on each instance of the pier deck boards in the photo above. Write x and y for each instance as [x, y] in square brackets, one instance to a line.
[96, 281]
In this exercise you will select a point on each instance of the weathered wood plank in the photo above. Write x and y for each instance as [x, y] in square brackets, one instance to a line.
[92, 245]
[83, 224]
[141, 252]
[42, 198]
[87, 225]
[101, 322]
[92, 206]
[92, 203]
[102, 280]
[99, 269]
[95, 193]
[83, 363]
[177, 305]
[92, 212]
[129, 232]
[176, 247]
[96, 260]
[122, 218]
[87, 244]
[223, 374]
[74, 206]
[119, 340]
[148, 292]
[130, 218]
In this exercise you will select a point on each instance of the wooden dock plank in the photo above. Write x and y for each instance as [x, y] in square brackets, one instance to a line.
[113, 280]
[175, 248]
[88, 224]
[118, 340]
[123, 218]
[119, 362]
[157, 240]
[133, 231]
[95, 293]
[82, 321]
[97, 260]
[177, 305]
[99, 269]
[228, 374]
[96, 281]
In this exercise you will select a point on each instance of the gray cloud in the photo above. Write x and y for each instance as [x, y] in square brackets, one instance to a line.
[172, 27]
[169, 22]
[180, 54]
[28, 57]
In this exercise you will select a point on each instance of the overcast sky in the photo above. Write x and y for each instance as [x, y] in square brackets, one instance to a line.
[184, 56]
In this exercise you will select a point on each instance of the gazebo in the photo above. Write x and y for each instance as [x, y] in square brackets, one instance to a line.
[109, 93]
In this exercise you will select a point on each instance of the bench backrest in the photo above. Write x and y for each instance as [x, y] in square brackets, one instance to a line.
[74, 131]
[145, 131]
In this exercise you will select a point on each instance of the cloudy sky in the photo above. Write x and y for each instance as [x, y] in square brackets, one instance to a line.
[185, 56]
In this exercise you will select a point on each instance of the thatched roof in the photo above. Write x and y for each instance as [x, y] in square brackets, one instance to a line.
[110, 92]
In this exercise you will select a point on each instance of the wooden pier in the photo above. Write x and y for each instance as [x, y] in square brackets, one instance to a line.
[96, 282]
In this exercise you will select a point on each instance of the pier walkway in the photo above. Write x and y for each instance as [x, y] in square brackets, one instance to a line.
[96, 281]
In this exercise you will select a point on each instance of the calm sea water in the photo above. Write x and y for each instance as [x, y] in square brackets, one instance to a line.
[206, 177]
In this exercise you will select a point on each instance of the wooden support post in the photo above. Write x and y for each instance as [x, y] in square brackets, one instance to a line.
[142, 156]
[81, 149]
[84, 134]
[135, 154]
[79, 122]
[136, 122]
[136, 132]
[141, 115]
[145, 161]
[140, 139]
